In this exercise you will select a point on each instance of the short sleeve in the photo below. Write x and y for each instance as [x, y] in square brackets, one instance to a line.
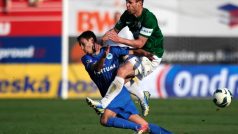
[148, 25]
[87, 62]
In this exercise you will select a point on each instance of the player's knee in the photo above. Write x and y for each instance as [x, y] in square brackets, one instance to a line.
[103, 120]
[146, 124]
[143, 123]
[121, 72]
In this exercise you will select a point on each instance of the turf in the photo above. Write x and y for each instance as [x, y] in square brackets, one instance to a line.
[181, 116]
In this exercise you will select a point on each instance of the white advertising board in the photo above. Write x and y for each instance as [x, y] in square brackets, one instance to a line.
[175, 17]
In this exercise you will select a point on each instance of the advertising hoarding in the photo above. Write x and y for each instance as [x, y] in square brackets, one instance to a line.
[188, 81]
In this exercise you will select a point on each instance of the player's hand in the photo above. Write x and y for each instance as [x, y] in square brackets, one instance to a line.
[150, 56]
[114, 36]
[96, 47]
[146, 54]
[105, 37]
[106, 51]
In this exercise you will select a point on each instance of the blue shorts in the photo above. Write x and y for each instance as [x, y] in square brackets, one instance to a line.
[123, 105]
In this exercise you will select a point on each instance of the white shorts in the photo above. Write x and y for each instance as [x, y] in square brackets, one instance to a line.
[143, 66]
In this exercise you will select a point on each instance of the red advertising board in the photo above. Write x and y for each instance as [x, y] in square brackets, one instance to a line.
[22, 18]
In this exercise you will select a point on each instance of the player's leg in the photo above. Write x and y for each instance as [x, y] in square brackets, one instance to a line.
[106, 115]
[110, 120]
[127, 69]
[117, 84]
[146, 66]
[140, 68]
[114, 89]
[132, 66]
[137, 119]
[155, 129]
[120, 104]
[143, 96]
[143, 124]
[145, 127]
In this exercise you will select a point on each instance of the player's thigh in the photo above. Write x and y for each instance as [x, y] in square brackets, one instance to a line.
[146, 66]
[137, 119]
[125, 70]
[156, 62]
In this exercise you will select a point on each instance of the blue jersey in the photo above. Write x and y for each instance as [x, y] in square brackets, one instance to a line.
[106, 75]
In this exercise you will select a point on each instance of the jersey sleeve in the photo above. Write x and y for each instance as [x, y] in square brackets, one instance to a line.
[87, 62]
[148, 25]
[120, 51]
[122, 22]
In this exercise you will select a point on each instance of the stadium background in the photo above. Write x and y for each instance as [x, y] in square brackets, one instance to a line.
[201, 55]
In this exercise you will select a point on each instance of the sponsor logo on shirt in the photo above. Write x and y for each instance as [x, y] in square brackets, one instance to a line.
[109, 56]
[88, 61]
[106, 69]
[128, 22]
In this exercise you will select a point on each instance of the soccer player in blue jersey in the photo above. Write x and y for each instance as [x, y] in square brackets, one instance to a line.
[102, 65]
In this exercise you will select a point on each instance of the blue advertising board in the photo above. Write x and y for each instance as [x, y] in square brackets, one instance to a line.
[198, 80]
[30, 49]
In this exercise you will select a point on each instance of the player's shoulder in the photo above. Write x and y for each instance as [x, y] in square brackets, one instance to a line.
[148, 14]
[125, 13]
[127, 16]
[86, 59]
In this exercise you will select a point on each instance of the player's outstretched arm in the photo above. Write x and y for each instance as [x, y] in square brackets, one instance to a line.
[141, 52]
[105, 37]
[137, 43]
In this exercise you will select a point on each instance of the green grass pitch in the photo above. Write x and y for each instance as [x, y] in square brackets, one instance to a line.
[181, 116]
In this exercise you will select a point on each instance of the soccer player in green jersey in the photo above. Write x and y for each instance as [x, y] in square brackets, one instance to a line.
[144, 26]
[148, 36]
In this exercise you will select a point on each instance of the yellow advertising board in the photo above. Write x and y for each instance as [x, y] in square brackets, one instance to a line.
[44, 81]
[29, 80]
[80, 84]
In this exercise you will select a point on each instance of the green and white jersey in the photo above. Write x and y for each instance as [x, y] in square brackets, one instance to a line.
[146, 25]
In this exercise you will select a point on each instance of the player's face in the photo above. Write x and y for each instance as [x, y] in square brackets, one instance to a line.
[132, 6]
[87, 45]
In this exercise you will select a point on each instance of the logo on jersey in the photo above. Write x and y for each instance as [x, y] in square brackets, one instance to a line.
[128, 22]
[88, 61]
[109, 56]
[106, 69]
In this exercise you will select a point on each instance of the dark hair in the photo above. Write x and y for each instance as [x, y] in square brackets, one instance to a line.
[87, 35]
